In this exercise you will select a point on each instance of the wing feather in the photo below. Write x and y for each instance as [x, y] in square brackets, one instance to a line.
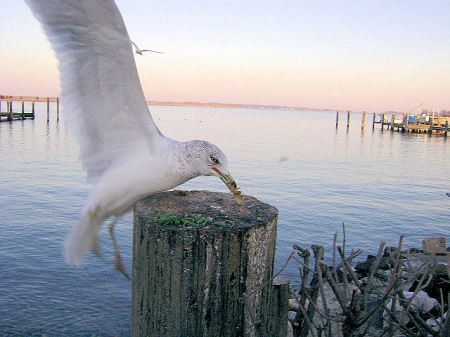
[101, 92]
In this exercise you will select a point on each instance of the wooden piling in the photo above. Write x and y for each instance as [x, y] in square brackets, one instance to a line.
[57, 109]
[446, 129]
[23, 110]
[11, 113]
[382, 121]
[195, 279]
[374, 120]
[430, 129]
[348, 118]
[32, 110]
[363, 120]
[48, 109]
[337, 119]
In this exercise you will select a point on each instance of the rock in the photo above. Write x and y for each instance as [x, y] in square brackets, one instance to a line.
[434, 245]
[415, 251]
[340, 275]
[290, 330]
[292, 315]
[363, 268]
[422, 301]
[389, 251]
[294, 304]
[434, 324]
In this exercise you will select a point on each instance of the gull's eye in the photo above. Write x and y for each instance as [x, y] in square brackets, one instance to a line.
[214, 160]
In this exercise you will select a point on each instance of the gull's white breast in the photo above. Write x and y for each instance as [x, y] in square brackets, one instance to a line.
[140, 174]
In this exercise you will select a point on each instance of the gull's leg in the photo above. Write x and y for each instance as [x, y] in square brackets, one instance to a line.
[118, 262]
[96, 248]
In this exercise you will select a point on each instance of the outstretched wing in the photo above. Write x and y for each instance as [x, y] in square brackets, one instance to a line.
[101, 92]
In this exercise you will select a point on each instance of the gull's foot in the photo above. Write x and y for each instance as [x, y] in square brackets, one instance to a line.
[118, 264]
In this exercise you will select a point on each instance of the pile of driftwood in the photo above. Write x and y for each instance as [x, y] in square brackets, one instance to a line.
[395, 293]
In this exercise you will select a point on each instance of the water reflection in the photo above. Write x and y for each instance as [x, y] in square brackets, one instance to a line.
[381, 184]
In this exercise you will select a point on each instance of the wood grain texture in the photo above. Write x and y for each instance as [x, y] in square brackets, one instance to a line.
[189, 281]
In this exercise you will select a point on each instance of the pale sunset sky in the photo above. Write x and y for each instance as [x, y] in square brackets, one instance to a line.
[358, 55]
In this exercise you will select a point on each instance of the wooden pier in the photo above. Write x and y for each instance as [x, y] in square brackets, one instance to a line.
[438, 125]
[402, 123]
[7, 112]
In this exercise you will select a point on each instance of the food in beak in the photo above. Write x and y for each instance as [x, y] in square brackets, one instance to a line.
[231, 184]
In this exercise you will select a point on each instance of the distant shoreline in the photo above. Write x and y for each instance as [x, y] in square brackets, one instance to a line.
[203, 105]
[230, 106]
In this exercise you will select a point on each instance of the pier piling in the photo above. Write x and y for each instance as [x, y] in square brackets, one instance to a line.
[208, 278]
[10, 118]
[48, 109]
[348, 118]
[10, 115]
[57, 109]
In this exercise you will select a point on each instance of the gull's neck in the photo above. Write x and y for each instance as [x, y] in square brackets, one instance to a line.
[185, 158]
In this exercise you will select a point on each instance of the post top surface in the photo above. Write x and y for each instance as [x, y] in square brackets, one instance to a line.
[217, 206]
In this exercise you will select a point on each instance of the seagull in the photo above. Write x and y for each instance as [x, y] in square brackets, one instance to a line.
[140, 51]
[125, 155]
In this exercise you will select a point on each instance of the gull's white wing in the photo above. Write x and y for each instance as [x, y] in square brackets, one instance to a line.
[101, 92]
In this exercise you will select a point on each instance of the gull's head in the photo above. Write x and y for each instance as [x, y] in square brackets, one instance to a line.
[211, 161]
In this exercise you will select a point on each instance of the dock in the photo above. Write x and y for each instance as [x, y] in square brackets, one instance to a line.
[8, 113]
[414, 123]
[423, 123]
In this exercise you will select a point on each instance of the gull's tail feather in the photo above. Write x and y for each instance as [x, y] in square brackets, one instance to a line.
[81, 239]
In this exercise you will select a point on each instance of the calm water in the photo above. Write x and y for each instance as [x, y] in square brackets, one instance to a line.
[381, 184]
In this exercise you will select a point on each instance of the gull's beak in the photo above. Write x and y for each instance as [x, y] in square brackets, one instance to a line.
[227, 179]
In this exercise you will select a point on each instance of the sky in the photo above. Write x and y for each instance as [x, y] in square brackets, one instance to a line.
[357, 55]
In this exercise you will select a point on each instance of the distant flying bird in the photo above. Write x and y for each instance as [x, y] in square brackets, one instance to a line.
[140, 51]
[124, 153]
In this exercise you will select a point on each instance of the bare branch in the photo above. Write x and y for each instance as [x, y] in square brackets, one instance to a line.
[307, 320]
[372, 270]
[337, 292]
[318, 255]
[389, 288]
[349, 268]
[334, 256]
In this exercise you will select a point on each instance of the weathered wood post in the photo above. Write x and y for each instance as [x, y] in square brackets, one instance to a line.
[337, 119]
[446, 129]
[363, 120]
[405, 122]
[374, 120]
[48, 109]
[11, 113]
[32, 109]
[192, 280]
[430, 129]
[57, 109]
[348, 118]
[23, 109]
